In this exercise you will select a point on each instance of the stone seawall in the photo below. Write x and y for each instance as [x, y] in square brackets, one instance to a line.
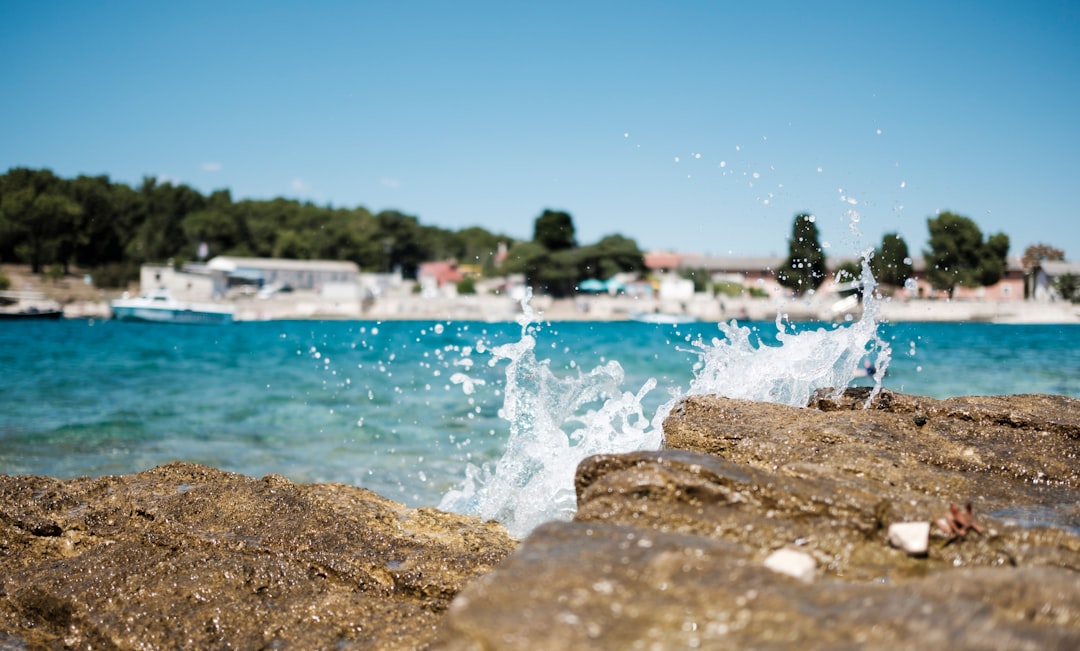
[758, 526]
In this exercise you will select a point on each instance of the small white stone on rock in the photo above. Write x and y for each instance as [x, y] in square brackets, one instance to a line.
[793, 563]
[911, 537]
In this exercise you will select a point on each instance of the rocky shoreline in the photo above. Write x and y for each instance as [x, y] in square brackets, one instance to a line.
[758, 526]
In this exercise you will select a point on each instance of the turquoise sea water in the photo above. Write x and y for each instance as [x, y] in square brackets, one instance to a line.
[398, 407]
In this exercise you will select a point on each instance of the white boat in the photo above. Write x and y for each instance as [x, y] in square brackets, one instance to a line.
[662, 317]
[159, 306]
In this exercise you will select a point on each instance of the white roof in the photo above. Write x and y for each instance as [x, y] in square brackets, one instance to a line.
[231, 264]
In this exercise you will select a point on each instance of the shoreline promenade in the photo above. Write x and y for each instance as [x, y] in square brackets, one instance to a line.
[80, 300]
[620, 308]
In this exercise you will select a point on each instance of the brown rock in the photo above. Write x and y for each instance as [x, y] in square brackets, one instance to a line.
[668, 547]
[587, 585]
[668, 550]
[184, 556]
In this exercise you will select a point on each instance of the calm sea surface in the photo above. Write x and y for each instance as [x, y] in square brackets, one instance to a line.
[397, 407]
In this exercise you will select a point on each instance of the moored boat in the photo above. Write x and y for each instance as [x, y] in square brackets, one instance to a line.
[28, 305]
[160, 306]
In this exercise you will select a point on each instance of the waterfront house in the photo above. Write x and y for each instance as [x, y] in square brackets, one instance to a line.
[1044, 279]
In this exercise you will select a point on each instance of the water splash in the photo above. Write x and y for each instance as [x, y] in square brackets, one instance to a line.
[804, 362]
[556, 422]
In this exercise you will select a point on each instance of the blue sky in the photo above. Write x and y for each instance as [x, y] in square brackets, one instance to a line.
[687, 126]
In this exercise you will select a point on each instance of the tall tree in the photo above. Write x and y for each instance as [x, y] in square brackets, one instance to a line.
[891, 264]
[400, 237]
[804, 270]
[958, 255]
[554, 230]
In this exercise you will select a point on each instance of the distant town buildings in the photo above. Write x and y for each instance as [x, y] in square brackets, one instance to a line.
[670, 282]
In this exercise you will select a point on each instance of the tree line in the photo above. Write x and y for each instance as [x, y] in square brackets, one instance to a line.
[957, 254]
[111, 229]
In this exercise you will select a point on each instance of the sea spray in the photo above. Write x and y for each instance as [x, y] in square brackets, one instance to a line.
[555, 422]
[804, 362]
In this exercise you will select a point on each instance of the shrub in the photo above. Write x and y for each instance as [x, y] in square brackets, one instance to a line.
[466, 286]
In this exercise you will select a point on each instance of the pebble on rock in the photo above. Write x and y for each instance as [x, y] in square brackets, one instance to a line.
[911, 537]
[793, 563]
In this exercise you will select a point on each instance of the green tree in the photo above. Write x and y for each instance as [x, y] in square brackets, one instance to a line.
[993, 259]
[214, 226]
[160, 235]
[111, 212]
[804, 269]
[611, 255]
[1068, 285]
[476, 245]
[527, 258]
[400, 235]
[561, 274]
[38, 221]
[958, 255]
[891, 263]
[554, 230]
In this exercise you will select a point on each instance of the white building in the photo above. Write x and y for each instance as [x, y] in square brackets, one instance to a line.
[225, 275]
[311, 275]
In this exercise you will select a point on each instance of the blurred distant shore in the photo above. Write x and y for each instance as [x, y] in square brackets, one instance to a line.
[82, 300]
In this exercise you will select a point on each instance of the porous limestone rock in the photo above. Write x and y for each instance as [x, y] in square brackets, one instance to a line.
[184, 556]
[590, 585]
[668, 548]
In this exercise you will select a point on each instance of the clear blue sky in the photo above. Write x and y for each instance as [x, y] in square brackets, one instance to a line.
[688, 126]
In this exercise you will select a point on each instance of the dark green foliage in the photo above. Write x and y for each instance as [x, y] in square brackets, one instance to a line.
[554, 230]
[891, 263]
[476, 246]
[1068, 285]
[159, 234]
[39, 222]
[611, 255]
[466, 286]
[804, 270]
[526, 258]
[111, 228]
[959, 256]
[559, 271]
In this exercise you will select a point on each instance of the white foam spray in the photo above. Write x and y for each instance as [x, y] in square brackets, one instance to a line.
[556, 422]
[804, 362]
